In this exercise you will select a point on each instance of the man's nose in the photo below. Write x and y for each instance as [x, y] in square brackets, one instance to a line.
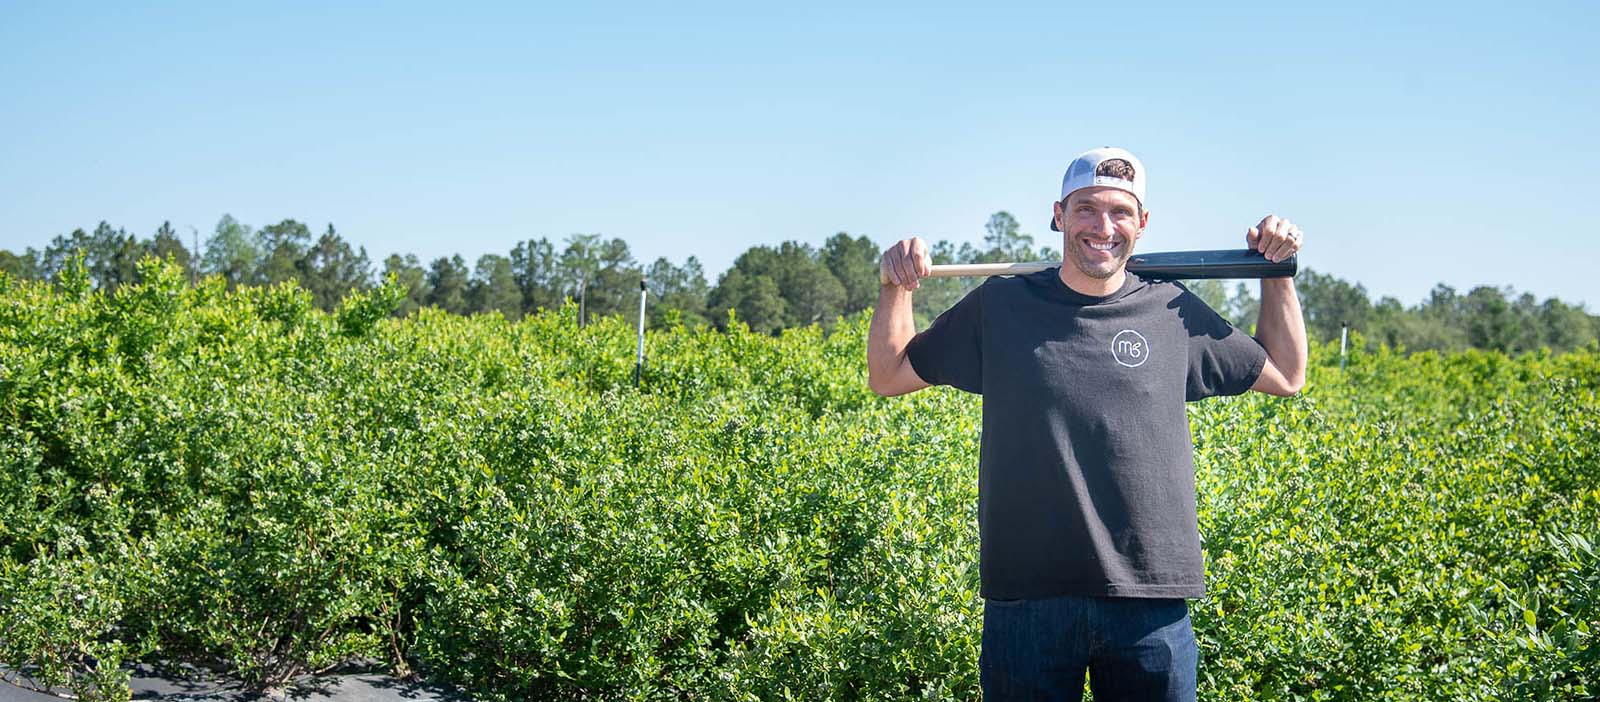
[1102, 224]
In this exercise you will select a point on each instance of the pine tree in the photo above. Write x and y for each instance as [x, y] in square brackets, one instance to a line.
[408, 273]
[854, 263]
[167, 244]
[447, 284]
[331, 270]
[678, 294]
[537, 271]
[283, 248]
[494, 288]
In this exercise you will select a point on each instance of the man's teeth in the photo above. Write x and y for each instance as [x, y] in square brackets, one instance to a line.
[1103, 247]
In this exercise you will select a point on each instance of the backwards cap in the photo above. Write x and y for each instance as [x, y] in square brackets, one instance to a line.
[1084, 172]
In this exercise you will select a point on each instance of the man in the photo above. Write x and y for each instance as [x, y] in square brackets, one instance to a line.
[1086, 497]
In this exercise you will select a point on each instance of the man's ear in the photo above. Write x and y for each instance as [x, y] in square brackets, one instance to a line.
[1061, 222]
[1144, 221]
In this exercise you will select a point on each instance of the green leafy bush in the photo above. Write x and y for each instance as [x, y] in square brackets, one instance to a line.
[241, 480]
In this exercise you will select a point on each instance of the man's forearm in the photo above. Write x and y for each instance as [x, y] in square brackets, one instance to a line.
[891, 330]
[1282, 328]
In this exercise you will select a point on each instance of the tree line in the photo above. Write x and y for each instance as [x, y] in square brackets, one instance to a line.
[769, 288]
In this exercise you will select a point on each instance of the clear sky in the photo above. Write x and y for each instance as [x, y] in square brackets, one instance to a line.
[1415, 143]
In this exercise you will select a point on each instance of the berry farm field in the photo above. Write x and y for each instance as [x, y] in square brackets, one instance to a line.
[239, 480]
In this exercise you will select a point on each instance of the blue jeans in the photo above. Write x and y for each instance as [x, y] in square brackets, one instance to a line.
[1133, 648]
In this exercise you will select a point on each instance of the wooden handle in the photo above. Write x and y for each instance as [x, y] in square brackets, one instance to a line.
[956, 270]
[1168, 265]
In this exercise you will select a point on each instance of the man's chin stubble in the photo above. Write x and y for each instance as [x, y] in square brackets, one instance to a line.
[1096, 273]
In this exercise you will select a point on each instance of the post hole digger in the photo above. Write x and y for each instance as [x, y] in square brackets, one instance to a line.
[1166, 265]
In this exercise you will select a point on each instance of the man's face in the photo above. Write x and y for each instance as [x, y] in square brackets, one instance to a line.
[1101, 226]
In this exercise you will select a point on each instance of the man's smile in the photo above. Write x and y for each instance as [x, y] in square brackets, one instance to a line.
[1112, 246]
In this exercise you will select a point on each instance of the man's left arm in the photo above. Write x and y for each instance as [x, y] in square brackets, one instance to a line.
[1281, 328]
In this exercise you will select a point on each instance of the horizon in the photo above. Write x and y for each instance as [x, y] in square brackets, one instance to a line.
[1382, 130]
[377, 263]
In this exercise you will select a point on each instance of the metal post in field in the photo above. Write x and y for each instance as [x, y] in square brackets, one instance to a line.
[1344, 335]
[194, 258]
[638, 366]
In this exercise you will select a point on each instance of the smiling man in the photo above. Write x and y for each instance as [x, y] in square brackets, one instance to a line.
[1090, 543]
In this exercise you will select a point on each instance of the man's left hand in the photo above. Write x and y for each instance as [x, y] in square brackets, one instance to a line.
[1275, 237]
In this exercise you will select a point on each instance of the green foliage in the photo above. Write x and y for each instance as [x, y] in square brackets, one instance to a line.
[1330, 303]
[1488, 318]
[407, 272]
[935, 295]
[232, 252]
[63, 610]
[330, 269]
[1393, 532]
[447, 284]
[769, 288]
[778, 288]
[614, 285]
[537, 269]
[241, 479]
[360, 312]
[677, 294]
[165, 243]
[19, 266]
[494, 288]
[854, 262]
[283, 249]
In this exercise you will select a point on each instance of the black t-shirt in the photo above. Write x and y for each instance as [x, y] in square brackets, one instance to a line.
[1086, 470]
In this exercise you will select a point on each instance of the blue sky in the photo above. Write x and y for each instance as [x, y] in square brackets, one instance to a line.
[1415, 143]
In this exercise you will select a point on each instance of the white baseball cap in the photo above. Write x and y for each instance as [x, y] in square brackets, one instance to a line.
[1084, 172]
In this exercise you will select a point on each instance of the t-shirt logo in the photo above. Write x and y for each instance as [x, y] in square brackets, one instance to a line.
[1129, 348]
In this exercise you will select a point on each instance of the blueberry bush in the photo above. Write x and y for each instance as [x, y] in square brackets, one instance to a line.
[240, 480]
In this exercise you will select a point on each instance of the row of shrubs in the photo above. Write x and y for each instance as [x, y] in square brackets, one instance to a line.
[241, 481]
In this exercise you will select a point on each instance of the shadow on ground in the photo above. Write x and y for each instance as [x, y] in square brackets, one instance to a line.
[183, 683]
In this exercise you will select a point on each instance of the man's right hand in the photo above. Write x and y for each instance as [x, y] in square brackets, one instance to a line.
[889, 370]
[905, 263]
